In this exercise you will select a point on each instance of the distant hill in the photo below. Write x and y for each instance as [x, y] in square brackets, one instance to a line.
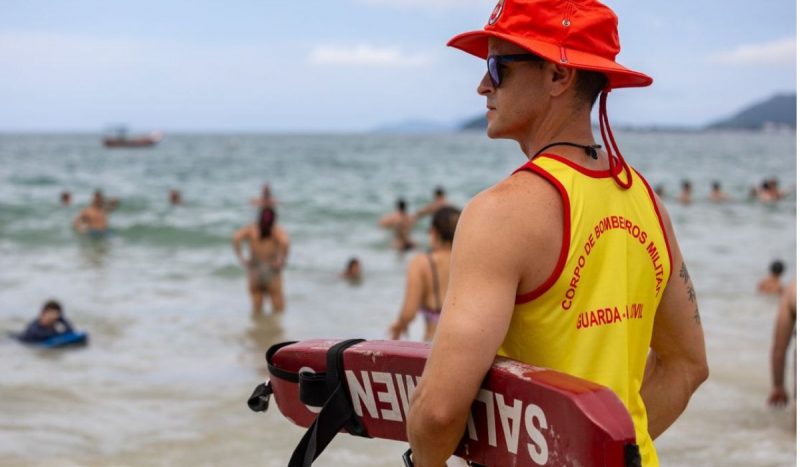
[779, 111]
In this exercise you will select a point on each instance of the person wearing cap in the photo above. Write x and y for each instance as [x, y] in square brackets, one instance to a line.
[570, 263]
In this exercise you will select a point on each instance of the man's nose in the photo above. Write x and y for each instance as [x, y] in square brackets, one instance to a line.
[485, 87]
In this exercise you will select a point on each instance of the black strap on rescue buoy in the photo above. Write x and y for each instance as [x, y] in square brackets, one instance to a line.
[327, 390]
[259, 400]
[337, 411]
[632, 456]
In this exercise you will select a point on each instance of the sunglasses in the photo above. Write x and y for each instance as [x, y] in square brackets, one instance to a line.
[495, 64]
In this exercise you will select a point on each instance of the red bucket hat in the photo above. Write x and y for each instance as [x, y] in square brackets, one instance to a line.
[576, 33]
[580, 34]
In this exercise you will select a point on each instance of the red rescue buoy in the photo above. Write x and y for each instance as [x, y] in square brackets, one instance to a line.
[522, 416]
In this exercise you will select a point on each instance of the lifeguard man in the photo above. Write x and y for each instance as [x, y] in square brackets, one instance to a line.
[571, 262]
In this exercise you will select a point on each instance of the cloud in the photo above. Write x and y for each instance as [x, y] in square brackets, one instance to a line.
[366, 55]
[779, 52]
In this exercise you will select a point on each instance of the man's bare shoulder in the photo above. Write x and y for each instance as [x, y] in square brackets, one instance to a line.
[517, 200]
[521, 213]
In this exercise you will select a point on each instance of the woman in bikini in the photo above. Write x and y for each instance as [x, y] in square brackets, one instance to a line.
[269, 248]
[427, 276]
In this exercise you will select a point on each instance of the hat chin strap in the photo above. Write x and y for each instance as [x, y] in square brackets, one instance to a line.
[615, 158]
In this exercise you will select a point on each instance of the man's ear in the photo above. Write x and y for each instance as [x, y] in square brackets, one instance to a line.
[561, 78]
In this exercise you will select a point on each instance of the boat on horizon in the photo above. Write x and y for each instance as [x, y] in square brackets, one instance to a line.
[119, 138]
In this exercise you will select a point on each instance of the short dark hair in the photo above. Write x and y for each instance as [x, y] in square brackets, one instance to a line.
[776, 267]
[401, 205]
[52, 305]
[444, 223]
[438, 191]
[588, 85]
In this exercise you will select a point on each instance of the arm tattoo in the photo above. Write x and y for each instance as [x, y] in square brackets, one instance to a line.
[684, 272]
[690, 290]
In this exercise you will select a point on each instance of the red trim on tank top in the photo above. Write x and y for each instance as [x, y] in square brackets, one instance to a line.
[565, 239]
[660, 221]
[588, 172]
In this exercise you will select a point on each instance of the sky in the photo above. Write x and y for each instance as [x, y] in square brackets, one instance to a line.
[351, 65]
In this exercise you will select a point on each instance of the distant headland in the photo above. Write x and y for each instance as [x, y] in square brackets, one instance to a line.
[776, 113]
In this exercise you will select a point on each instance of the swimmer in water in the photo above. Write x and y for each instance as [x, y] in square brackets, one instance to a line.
[66, 198]
[772, 283]
[266, 200]
[427, 277]
[93, 220]
[175, 197]
[717, 195]
[49, 323]
[686, 192]
[352, 272]
[401, 222]
[269, 250]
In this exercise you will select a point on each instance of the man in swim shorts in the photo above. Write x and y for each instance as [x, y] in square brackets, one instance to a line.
[571, 262]
[269, 250]
[401, 222]
[93, 220]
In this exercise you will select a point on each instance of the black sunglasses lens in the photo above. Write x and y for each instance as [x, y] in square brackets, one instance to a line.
[494, 70]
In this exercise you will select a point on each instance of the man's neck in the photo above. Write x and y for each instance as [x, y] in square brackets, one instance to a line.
[573, 127]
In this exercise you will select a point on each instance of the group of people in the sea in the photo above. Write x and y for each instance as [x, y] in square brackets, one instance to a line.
[767, 192]
[427, 275]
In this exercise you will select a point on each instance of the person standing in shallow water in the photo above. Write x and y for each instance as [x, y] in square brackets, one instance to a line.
[439, 201]
[427, 277]
[572, 206]
[93, 220]
[785, 323]
[401, 222]
[269, 250]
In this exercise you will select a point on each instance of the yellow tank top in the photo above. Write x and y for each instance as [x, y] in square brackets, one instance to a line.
[593, 318]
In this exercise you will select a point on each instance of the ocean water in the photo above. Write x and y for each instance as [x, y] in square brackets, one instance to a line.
[174, 352]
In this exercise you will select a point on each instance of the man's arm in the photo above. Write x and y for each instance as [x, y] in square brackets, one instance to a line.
[677, 363]
[784, 324]
[413, 298]
[80, 223]
[389, 220]
[425, 211]
[485, 271]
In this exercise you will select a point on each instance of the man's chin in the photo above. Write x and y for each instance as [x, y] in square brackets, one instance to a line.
[493, 131]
